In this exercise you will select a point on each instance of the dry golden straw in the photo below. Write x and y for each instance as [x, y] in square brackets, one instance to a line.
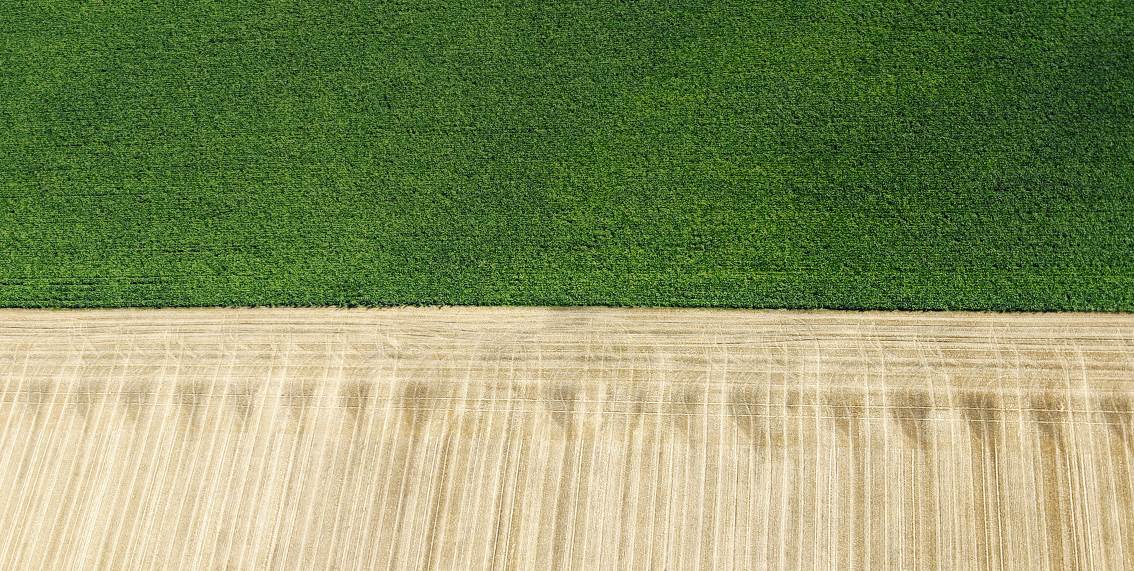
[574, 438]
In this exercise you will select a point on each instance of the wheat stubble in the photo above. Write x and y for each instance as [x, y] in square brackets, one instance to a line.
[569, 438]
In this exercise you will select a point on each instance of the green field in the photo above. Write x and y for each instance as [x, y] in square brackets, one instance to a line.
[969, 155]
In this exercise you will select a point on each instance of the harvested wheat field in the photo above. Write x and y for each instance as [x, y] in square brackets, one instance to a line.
[566, 438]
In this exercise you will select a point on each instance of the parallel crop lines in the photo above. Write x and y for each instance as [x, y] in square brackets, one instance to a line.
[582, 438]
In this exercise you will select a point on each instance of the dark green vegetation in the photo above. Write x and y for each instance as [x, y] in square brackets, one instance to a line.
[877, 154]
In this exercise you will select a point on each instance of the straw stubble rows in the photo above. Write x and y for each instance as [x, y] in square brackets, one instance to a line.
[573, 438]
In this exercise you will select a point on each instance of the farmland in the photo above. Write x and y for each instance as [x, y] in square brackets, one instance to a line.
[861, 154]
[581, 438]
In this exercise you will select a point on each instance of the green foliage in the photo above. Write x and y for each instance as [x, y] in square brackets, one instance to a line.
[862, 154]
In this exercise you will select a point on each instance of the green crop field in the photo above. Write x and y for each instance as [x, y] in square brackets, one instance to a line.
[858, 154]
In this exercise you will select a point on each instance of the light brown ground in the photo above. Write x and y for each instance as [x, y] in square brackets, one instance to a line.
[581, 438]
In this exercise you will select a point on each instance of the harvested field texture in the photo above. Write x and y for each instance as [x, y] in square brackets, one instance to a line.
[828, 153]
[578, 438]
